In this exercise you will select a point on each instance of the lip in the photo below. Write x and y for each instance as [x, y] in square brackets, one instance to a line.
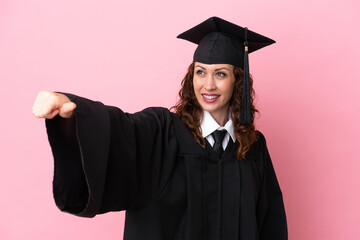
[212, 100]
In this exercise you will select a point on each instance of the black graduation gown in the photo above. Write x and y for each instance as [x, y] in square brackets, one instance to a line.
[148, 164]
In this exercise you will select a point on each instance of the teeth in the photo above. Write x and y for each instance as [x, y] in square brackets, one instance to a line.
[210, 97]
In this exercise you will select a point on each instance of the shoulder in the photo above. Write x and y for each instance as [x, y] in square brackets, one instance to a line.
[157, 111]
[160, 112]
[159, 115]
[257, 149]
[260, 138]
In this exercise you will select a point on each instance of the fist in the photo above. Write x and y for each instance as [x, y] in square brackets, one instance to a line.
[49, 104]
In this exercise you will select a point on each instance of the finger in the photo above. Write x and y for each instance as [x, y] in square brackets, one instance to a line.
[36, 105]
[52, 114]
[43, 104]
[67, 110]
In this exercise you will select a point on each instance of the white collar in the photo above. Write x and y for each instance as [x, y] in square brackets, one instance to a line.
[209, 125]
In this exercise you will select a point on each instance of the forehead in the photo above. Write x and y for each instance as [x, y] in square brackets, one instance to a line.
[214, 66]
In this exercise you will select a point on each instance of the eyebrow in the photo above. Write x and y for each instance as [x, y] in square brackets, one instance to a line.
[200, 67]
[222, 69]
[215, 69]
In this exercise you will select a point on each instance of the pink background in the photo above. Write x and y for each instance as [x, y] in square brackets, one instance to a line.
[125, 53]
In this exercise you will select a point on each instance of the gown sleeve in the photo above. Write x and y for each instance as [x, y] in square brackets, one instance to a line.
[270, 208]
[108, 160]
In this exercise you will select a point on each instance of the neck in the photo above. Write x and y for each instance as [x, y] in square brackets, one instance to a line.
[221, 119]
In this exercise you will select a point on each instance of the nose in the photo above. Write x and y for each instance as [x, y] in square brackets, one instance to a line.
[210, 83]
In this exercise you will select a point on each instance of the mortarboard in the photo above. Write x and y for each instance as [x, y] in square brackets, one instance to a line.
[222, 42]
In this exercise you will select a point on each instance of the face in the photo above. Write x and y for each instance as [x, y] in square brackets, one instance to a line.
[213, 87]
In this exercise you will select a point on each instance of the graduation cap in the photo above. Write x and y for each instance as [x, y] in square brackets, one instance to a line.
[222, 42]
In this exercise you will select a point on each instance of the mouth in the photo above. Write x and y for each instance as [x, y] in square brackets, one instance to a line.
[210, 98]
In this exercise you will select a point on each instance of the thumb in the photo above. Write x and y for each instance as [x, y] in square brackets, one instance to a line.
[67, 110]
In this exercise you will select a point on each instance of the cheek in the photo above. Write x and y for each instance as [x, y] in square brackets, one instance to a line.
[196, 85]
[228, 88]
[232, 86]
[232, 89]
[197, 90]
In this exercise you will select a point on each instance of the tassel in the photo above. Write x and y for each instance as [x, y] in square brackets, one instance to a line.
[246, 116]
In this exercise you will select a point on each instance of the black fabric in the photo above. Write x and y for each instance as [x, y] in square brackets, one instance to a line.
[220, 41]
[148, 164]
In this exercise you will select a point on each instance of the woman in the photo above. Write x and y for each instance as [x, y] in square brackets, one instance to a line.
[202, 172]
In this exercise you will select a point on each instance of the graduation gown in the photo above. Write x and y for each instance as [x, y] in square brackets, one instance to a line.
[149, 164]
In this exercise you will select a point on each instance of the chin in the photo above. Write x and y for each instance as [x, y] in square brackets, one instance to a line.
[210, 109]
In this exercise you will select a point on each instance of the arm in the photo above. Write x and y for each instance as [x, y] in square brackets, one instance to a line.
[107, 160]
[270, 208]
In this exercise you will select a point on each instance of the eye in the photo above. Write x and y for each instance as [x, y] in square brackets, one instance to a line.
[199, 72]
[221, 74]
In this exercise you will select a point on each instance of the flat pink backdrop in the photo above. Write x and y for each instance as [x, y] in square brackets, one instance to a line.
[125, 53]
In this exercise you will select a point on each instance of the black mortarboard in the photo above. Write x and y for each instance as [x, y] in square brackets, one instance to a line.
[222, 42]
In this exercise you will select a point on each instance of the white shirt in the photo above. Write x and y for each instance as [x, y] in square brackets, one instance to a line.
[209, 125]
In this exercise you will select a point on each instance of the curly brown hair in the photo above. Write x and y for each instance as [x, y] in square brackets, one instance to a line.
[190, 111]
